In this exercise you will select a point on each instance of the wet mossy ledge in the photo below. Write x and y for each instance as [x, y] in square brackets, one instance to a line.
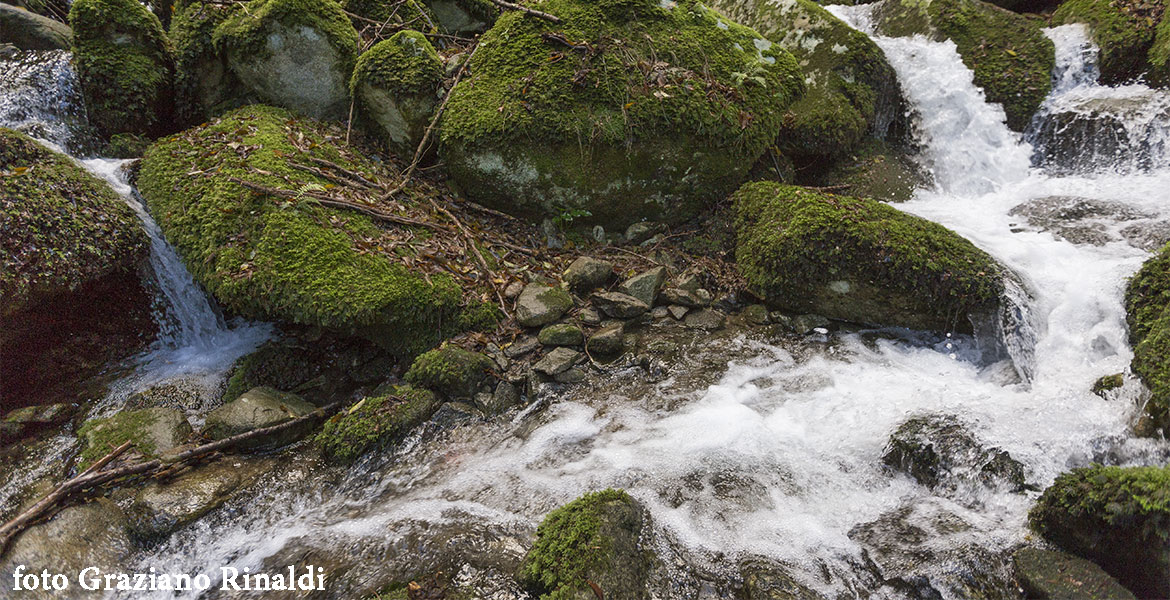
[1147, 304]
[1009, 55]
[375, 422]
[1133, 37]
[1118, 517]
[292, 259]
[125, 63]
[623, 111]
[858, 260]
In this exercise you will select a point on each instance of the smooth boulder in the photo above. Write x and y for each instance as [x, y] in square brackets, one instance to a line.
[29, 31]
[256, 409]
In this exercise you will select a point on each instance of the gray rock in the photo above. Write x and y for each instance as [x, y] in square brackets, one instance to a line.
[607, 341]
[1051, 575]
[803, 324]
[698, 298]
[506, 396]
[689, 283]
[259, 407]
[1077, 220]
[453, 17]
[756, 314]
[678, 312]
[619, 305]
[29, 419]
[573, 375]
[940, 452]
[521, 347]
[513, 290]
[153, 430]
[707, 319]
[451, 414]
[587, 274]
[540, 305]
[659, 312]
[29, 31]
[561, 334]
[764, 579]
[644, 286]
[589, 316]
[642, 231]
[557, 361]
[160, 508]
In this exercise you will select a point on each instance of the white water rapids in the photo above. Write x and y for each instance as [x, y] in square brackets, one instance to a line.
[780, 456]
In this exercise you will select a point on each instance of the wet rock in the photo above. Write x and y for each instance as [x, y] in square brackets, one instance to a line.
[561, 334]
[1051, 575]
[587, 273]
[396, 82]
[607, 341]
[644, 286]
[557, 361]
[322, 369]
[450, 371]
[29, 31]
[1117, 517]
[766, 580]
[1094, 134]
[452, 414]
[706, 319]
[1148, 236]
[873, 169]
[939, 451]
[540, 305]
[521, 347]
[1108, 383]
[504, 397]
[641, 231]
[154, 431]
[30, 419]
[571, 375]
[1077, 220]
[756, 314]
[255, 409]
[619, 305]
[375, 422]
[568, 555]
[160, 508]
[1124, 33]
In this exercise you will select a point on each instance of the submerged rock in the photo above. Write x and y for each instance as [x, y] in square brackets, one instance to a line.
[154, 431]
[1125, 32]
[1050, 575]
[1077, 220]
[396, 83]
[591, 541]
[256, 409]
[125, 64]
[375, 422]
[938, 451]
[1010, 57]
[29, 31]
[1092, 134]
[451, 371]
[859, 260]
[624, 111]
[1117, 517]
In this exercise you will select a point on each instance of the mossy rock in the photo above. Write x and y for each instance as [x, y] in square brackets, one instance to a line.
[858, 260]
[652, 111]
[259, 408]
[1117, 517]
[1011, 58]
[375, 422]
[298, 54]
[594, 538]
[125, 65]
[1147, 308]
[1047, 574]
[294, 261]
[463, 16]
[451, 371]
[396, 84]
[872, 169]
[1125, 32]
[204, 84]
[852, 89]
[153, 431]
[1159, 73]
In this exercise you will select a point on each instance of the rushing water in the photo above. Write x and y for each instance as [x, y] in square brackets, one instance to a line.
[753, 446]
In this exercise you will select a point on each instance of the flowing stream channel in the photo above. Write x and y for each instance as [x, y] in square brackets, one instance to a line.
[754, 448]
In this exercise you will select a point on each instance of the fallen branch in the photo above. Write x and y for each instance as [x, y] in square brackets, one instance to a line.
[483, 266]
[338, 179]
[524, 9]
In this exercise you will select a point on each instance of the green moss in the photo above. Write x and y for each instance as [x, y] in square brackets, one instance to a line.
[63, 227]
[204, 86]
[1160, 53]
[449, 370]
[404, 64]
[246, 31]
[375, 422]
[539, 126]
[101, 435]
[296, 261]
[1147, 299]
[126, 145]
[570, 546]
[124, 62]
[1124, 31]
[795, 244]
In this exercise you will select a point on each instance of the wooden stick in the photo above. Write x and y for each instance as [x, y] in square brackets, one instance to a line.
[483, 266]
[336, 203]
[347, 172]
[524, 9]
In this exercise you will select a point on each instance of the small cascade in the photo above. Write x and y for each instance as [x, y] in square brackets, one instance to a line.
[42, 98]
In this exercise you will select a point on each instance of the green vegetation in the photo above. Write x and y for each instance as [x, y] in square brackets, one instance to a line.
[859, 260]
[246, 31]
[293, 260]
[1147, 300]
[100, 436]
[204, 86]
[404, 64]
[872, 169]
[450, 370]
[408, 13]
[375, 422]
[64, 227]
[125, 64]
[1159, 73]
[1124, 30]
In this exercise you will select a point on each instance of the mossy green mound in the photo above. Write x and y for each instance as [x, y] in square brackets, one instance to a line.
[451, 371]
[852, 89]
[375, 422]
[298, 54]
[289, 260]
[593, 539]
[204, 85]
[1147, 304]
[859, 260]
[1124, 30]
[397, 84]
[1010, 57]
[125, 64]
[624, 111]
[64, 228]
[1116, 517]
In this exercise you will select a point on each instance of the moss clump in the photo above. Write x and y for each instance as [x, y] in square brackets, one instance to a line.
[1011, 58]
[1147, 307]
[646, 117]
[1159, 55]
[125, 64]
[1108, 383]
[247, 31]
[591, 539]
[63, 227]
[375, 422]
[1118, 517]
[396, 83]
[451, 371]
[152, 430]
[1124, 30]
[204, 86]
[296, 261]
[859, 260]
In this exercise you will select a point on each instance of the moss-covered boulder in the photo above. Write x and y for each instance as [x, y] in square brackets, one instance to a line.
[204, 84]
[624, 111]
[68, 240]
[125, 65]
[153, 431]
[591, 541]
[1159, 73]
[859, 260]
[397, 83]
[282, 259]
[1117, 517]
[450, 370]
[29, 31]
[1125, 31]
[298, 54]
[852, 90]
[1011, 58]
[375, 422]
[1147, 305]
